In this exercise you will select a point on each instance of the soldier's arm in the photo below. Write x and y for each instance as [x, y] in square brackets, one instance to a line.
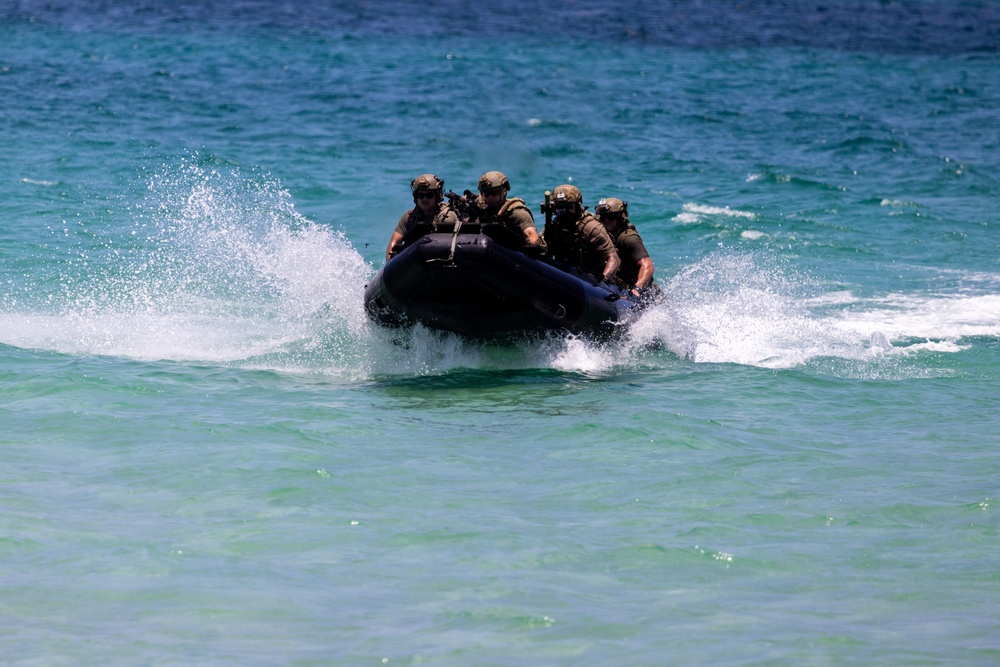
[526, 222]
[532, 235]
[645, 273]
[611, 266]
[393, 242]
[402, 227]
[602, 242]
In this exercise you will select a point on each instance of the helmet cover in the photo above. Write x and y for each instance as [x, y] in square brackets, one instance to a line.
[567, 194]
[426, 182]
[493, 179]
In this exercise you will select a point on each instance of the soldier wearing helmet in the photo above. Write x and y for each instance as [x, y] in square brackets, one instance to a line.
[575, 236]
[430, 209]
[512, 213]
[636, 271]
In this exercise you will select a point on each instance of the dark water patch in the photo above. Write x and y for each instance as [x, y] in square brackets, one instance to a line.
[475, 379]
[865, 143]
[770, 177]
[905, 26]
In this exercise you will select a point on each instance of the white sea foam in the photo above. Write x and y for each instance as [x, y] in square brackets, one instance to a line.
[147, 336]
[717, 210]
[939, 317]
[579, 355]
[685, 218]
[744, 309]
[692, 213]
[898, 203]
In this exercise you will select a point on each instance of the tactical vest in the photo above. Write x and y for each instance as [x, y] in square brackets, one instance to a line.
[503, 216]
[570, 243]
[511, 205]
[417, 217]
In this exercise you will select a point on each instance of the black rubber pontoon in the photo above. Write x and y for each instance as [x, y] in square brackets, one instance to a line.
[482, 282]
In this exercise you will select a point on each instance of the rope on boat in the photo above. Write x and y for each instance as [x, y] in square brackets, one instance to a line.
[454, 243]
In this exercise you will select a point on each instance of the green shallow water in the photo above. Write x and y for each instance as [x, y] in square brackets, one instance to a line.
[496, 517]
[210, 456]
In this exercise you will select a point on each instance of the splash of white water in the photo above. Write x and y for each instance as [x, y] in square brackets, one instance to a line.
[746, 309]
[219, 267]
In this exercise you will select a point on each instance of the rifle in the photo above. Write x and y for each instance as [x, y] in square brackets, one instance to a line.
[464, 205]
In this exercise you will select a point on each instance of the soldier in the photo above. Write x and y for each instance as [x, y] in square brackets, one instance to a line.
[576, 237]
[636, 271]
[430, 209]
[512, 213]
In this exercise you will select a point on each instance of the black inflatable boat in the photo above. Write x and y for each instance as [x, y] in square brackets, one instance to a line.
[480, 281]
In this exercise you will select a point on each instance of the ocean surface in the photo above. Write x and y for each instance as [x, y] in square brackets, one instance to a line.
[209, 456]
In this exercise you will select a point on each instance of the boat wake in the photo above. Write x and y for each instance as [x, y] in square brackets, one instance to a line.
[217, 267]
[747, 308]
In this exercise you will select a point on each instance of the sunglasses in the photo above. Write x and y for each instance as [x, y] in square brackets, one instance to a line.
[426, 194]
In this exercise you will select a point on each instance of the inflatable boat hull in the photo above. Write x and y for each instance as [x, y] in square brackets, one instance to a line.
[475, 285]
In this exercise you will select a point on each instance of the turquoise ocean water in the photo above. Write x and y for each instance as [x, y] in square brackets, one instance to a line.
[209, 456]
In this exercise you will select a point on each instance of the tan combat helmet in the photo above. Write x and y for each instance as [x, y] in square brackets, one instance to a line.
[427, 183]
[493, 179]
[567, 194]
[612, 207]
